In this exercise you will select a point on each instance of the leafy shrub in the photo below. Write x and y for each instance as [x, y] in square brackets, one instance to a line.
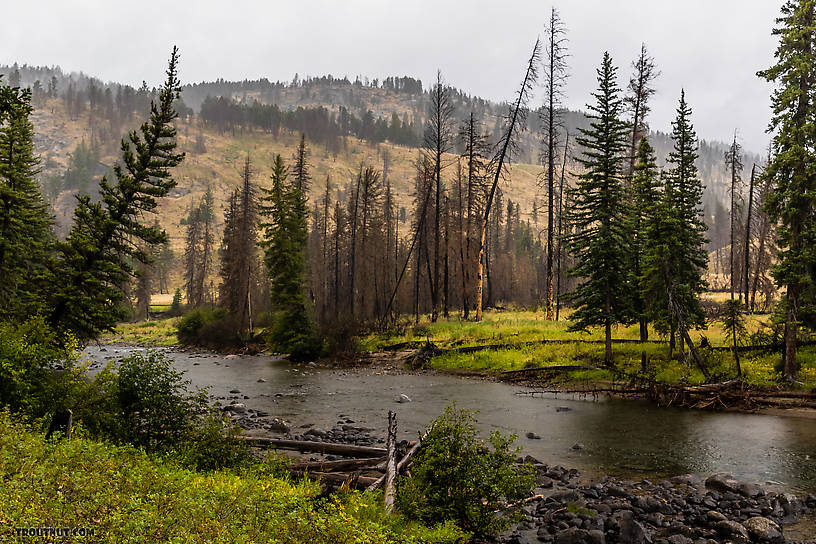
[212, 443]
[191, 326]
[33, 365]
[299, 342]
[458, 477]
[153, 399]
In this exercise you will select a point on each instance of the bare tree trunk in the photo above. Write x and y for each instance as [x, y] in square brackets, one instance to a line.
[391, 465]
[748, 235]
[560, 230]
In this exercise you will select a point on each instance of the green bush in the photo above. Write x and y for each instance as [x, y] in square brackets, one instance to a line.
[191, 325]
[213, 442]
[34, 367]
[458, 477]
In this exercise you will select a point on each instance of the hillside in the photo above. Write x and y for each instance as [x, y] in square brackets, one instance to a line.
[68, 116]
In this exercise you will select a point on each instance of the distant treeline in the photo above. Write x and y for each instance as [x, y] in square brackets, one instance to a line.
[318, 124]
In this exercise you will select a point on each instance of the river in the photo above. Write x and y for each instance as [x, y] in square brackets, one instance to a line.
[630, 439]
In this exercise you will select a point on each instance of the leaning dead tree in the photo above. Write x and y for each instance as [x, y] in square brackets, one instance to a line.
[516, 118]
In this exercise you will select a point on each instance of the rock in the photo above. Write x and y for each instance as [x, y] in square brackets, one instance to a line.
[231, 357]
[578, 446]
[790, 504]
[573, 536]
[732, 530]
[279, 426]
[633, 532]
[679, 539]
[533, 436]
[565, 496]
[236, 408]
[261, 380]
[563, 409]
[691, 480]
[764, 530]
[316, 432]
[403, 398]
[234, 391]
[544, 481]
[723, 483]
[713, 515]
[750, 490]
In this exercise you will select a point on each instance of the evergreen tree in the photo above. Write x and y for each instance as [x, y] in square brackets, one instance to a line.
[792, 199]
[108, 235]
[645, 195]
[598, 214]
[685, 194]
[26, 239]
[285, 237]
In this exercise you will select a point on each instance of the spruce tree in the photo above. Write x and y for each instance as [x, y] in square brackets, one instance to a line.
[107, 236]
[792, 200]
[645, 195]
[285, 238]
[26, 239]
[602, 297]
[685, 194]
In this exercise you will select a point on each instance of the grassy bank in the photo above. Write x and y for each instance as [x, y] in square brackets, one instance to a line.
[517, 329]
[158, 332]
[126, 496]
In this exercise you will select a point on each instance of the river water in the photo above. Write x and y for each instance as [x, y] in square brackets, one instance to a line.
[629, 439]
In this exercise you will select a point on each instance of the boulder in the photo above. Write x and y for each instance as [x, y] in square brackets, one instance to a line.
[403, 398]
[236, 408]
[764, 530]
[279, 426]
[732, 530]
[574, 536]
[723, 483]
[633, 532]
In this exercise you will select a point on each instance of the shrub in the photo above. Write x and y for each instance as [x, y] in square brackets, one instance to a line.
[458, 477]
[33, 367]
[191, 326]
[213, 443]
[175, 306]
[153, 399]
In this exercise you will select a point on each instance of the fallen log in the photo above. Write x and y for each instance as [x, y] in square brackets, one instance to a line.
[556, 368]
[336, 466]
[346, 450]
[354, 480]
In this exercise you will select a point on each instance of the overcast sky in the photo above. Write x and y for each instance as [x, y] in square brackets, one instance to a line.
[712, 48]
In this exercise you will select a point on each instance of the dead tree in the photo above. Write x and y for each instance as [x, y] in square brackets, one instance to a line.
[554, 80]
[733, 161]
[514, 121]
[747, 249]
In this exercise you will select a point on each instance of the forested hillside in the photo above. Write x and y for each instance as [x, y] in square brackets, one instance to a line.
[79, 120]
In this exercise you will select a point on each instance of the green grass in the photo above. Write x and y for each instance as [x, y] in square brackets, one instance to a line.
[127, 497]
[515, 328]
[160, 332]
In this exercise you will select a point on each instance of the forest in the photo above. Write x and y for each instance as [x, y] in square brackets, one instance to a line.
[196, 275]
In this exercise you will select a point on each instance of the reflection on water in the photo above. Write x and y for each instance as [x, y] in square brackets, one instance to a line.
[624, 438]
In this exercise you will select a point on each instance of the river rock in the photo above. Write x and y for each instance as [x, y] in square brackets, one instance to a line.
[722, 482]
[764, 530]
[403, 398]
[715, 516]
[315, 431]
[691, 480]
[279, 426]
[234, 391]
[533, 436]
[236, 408]
[563, 409]
[679, 539]
[732, 530]
[231, 357]
[575, 536]
[578, 446]
[790, 504]
[261, 380]
[632, 531]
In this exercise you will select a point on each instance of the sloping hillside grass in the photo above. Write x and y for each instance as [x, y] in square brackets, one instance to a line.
[124, 496]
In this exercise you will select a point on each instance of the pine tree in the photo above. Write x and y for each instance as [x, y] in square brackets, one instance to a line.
[598, 214]
[107, 236]
[645, 195]
[285, 238]
[733, 162]
[26, 238]
[792, 201]
[685, 193]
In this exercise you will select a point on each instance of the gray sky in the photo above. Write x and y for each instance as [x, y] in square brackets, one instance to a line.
[711, 47]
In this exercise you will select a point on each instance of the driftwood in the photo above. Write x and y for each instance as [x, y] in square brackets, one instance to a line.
[557, 368]
[346, 450]
[390, 463]
[354, 479]
[335, 466]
